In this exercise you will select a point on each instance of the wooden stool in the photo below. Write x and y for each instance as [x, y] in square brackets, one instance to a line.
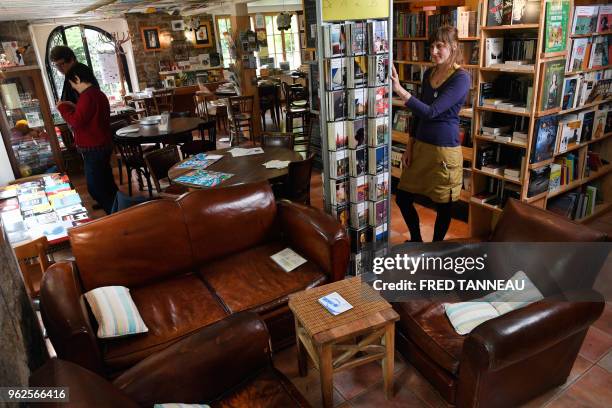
[333, 342]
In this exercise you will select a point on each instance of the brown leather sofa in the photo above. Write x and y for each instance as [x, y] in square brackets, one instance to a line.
[226, 364]
[511, 359]
[189, 263]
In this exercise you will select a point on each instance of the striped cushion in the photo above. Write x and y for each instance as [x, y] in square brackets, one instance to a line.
[507, 301]
[177, 405]
[115, 312]
[465, 316]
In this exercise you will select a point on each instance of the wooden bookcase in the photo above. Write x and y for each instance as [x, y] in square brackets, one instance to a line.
[467, 43]
[482, 217]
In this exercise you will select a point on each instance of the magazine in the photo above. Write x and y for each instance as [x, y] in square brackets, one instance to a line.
[204, 178]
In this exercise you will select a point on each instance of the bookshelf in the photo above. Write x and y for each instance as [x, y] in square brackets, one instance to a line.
[545, 119]
[412, 21]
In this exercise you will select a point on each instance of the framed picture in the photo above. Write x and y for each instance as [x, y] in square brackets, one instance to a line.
[203, 36]
[150, 38]
[177, 25]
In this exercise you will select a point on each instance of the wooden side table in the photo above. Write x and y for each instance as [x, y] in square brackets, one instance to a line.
[335, 343]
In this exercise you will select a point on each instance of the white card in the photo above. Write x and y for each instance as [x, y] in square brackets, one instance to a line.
[335, 304]
[288, 259]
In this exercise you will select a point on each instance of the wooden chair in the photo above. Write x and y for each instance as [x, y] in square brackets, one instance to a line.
[206, 143]
[277, 139]
[159, 162]
[240, 117]
[297, 182]
[295, 107]
[132, 157]
[33, 262]
[206, 110]
[163, 100]
[269, 100]
[115, 126]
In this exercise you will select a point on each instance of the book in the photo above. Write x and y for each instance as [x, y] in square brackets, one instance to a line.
[576, 61]
[357, 162]
[359, 71]
[568, 99]
[604, 19]
[336, 105]
[568, 132]
[356, 131]
[336, 135]
[378, 37]
[335, 304]
[378, 69]
[204, 178]
[338, 164]
[340, 189]
[585, 20]
[359, 214]
[357, 102]
[525, 11]
[380, 234]
[334, 40]
[288, 259]
[599, 124]
[358, 37]
[587, 117]
[334, 73]
[359, 238]
[377, 159]
[550, 96]
[538, 181]
[600, 53]
[556, 24]
[378, 101]
[341, 213]
[377, 212]
[378, 132]
[545, 139]
[378, 186]
[494, 51]
[358, 189]
[499, 12]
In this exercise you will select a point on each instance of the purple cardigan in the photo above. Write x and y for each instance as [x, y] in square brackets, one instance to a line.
[438, 109]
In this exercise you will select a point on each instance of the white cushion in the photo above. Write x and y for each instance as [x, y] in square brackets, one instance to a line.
[509, 300]
[465, 316]
[115, 312]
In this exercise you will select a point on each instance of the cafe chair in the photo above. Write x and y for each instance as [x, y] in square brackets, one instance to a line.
[269, 100]
[115, 126]
[296, 185]
[33, 262]
[163, 100]
[277, 139]
[296, 107]
[207, 109]
[159, 162]
[206, 143]
[70, 156]
[240, 115]
[132, 156]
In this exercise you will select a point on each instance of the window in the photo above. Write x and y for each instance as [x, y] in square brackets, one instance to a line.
[284, 46]
[224, 28]
[90, 47]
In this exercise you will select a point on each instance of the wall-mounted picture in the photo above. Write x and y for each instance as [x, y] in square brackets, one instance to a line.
[203, 36]
[177, 25]
[150, 38]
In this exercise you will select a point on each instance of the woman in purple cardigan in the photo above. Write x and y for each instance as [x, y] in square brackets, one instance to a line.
[433, 160]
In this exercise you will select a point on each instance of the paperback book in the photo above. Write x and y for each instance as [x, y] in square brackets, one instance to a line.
[358, 189]
[336, 105]
[578, 58]
[570, 86]
[378, 132]
[336, 135]
[499, 12]
[357, 162]
[359, 238]
[378, 37]
[204, 178]
[358, 34]
[585, 20]
[552, 85]
[378, 69]
[545, 138]
[378, 101]
[556, 23]
[604, 19]
[334, 40]
[538, 181]
[359, 215]
[334, 73]
[378, 212]
[356, 130]
[378, 159]
[338, 190]
[338, 164]
[378, 186]
[380, 234]
[357, 102]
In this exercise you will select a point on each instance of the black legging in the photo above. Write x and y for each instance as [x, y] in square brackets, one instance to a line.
[405, 201]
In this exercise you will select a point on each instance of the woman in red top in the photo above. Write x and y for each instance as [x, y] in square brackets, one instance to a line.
[90, 122]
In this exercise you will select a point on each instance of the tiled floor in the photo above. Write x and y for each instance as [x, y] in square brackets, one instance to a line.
[589, 384]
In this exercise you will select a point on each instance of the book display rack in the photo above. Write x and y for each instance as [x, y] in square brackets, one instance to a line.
[541, 132]
[353, 50]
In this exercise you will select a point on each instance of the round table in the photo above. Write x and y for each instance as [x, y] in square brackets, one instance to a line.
[245, 169]
[152, 134]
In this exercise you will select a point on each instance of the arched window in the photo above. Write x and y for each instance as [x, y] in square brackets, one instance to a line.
[89, 46]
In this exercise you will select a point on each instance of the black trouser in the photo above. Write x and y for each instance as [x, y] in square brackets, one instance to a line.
[99, 174]
[405, 201]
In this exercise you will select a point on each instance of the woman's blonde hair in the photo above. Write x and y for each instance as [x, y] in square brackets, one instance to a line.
[448, 35]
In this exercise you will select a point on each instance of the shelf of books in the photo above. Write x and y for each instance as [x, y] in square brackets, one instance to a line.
[413, 23]
[354, 55]
[544, 91]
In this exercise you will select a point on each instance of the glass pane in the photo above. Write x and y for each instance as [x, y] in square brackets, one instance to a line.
[270, 25]
[56, 77]
[104, 64]
[73, 37]
[29, 140]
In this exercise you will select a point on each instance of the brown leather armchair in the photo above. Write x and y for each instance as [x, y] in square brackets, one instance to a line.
[225, 364]
[492, 366]
[189, 263]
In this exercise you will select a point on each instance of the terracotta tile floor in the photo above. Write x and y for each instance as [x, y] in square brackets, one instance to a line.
[589, 384]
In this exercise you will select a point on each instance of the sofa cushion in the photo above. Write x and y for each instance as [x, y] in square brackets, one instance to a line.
[425, 323]
[115, 312]
[171, 309]
[125, 248]
[222, 222]
[269, 388]
[252, 280]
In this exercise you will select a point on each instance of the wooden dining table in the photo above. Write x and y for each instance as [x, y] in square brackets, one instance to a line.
[179, 130]
[245, 169]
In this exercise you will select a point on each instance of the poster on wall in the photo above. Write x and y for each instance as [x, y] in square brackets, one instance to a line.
[110, 69]
[13, 54]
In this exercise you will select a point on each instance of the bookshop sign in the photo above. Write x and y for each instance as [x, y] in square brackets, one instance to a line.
[339, 10]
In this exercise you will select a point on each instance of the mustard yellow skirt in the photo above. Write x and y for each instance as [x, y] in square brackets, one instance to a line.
[435, 172]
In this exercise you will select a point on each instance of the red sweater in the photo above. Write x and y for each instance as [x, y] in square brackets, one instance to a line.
[90, 119]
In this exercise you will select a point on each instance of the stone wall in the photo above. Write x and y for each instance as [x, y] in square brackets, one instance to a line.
[174, 43]
[21, 346]
[18, 31]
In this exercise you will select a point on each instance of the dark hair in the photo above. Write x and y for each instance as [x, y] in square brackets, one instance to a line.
[82, 72]
[448, 35]
[62, 52]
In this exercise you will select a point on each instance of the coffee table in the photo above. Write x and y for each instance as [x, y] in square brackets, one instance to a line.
[358, 336]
